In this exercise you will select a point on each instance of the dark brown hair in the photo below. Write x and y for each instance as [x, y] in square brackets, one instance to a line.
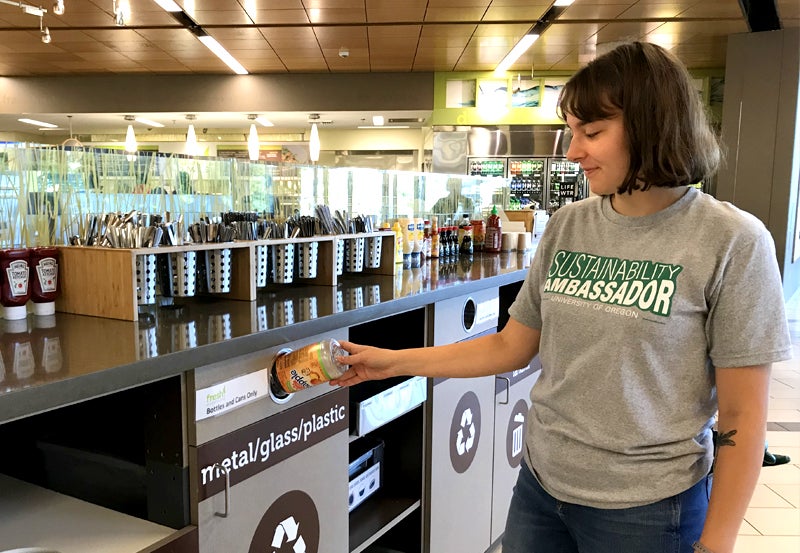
[670, 140]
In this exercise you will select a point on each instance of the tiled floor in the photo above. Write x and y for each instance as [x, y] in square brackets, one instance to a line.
[772, 523]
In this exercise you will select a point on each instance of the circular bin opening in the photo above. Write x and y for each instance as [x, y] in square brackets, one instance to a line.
[468, 314]
[276, 392]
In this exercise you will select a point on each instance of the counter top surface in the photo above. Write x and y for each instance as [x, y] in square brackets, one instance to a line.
[49, 362]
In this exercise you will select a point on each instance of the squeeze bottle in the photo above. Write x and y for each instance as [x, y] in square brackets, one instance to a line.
[494, 233]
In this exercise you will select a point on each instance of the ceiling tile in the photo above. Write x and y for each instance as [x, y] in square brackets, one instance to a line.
[454, 14]
[192, 6]
[236, 33]
[444, 30]
[220, 17]
[459, 4]
[593, 11]
[289, 36]
[399, 13]
[337, 15]
[278, 17]
[666, 10]
[333, 4]
[515, 30]
[334, 37]
[713, 10]
[394, 31]
[528, 13]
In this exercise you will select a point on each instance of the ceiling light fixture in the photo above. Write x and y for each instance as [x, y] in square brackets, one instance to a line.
[72, 141]
[264, 122]
[313, 144]
[148, 122]
[58, 7]
[168, 6]
[37, 123]
[516, 52]
[46, 38]
[130, 138]
[191, 141]
[191, 136]
[121, 10]
[253, 143]
[552, 13]
[210, 43]
[378, 120]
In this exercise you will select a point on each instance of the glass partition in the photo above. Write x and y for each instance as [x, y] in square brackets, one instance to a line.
[49, 194]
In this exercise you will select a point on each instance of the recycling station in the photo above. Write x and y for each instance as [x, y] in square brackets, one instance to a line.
[172, 438]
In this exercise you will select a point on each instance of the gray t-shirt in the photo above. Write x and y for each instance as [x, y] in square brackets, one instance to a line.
[635, 313]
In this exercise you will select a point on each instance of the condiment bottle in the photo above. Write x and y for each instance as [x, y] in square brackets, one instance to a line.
[44, 279]
[14, 276]
[398, 242]
[434, 237]
[494, 233]
[466, 241]
[478, 234]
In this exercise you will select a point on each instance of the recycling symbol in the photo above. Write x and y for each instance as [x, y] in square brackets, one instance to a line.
[290, 525]
[288, 529]
[465, 432]
[464, 444]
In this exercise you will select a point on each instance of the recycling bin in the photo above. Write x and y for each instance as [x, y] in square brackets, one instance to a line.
[461, 434]
[268, 474]
[511, 405]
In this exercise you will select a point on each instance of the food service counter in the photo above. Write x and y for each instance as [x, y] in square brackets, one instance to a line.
[88, 357]
[113, 413]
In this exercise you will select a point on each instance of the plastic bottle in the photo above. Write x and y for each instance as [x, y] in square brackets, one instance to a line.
[465, 247]
[398, 242]
[434, 237]
[15, 278]
[44, 279]
[494, 233]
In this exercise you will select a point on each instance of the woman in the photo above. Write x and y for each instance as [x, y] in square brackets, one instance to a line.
[651, 306]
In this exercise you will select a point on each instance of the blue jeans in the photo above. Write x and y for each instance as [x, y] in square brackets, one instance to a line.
[539, 523]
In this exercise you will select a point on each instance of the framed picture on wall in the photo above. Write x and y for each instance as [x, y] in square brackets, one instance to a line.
[460, 94]
[493, 94]
[525, 93]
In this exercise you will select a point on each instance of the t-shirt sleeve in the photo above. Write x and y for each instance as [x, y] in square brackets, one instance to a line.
[747, 319]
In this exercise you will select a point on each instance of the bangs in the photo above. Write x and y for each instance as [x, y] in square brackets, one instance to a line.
[590, 95]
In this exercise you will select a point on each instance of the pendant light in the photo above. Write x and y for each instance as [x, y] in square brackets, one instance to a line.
[313, 144]
[71, 141]
[191, 137]
[253, 144]
[130, 138]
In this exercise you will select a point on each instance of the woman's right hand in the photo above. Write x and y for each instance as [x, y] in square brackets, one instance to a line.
[366, 363]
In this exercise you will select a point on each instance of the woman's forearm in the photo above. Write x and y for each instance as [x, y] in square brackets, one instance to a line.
[736, 470]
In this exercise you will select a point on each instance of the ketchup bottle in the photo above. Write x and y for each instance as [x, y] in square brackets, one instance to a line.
[14, 276]
[44, 279]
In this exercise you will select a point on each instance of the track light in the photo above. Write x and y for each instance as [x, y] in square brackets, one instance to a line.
[45, 31]
[58, 7]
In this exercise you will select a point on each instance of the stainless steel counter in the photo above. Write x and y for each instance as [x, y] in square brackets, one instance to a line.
[64, 359]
